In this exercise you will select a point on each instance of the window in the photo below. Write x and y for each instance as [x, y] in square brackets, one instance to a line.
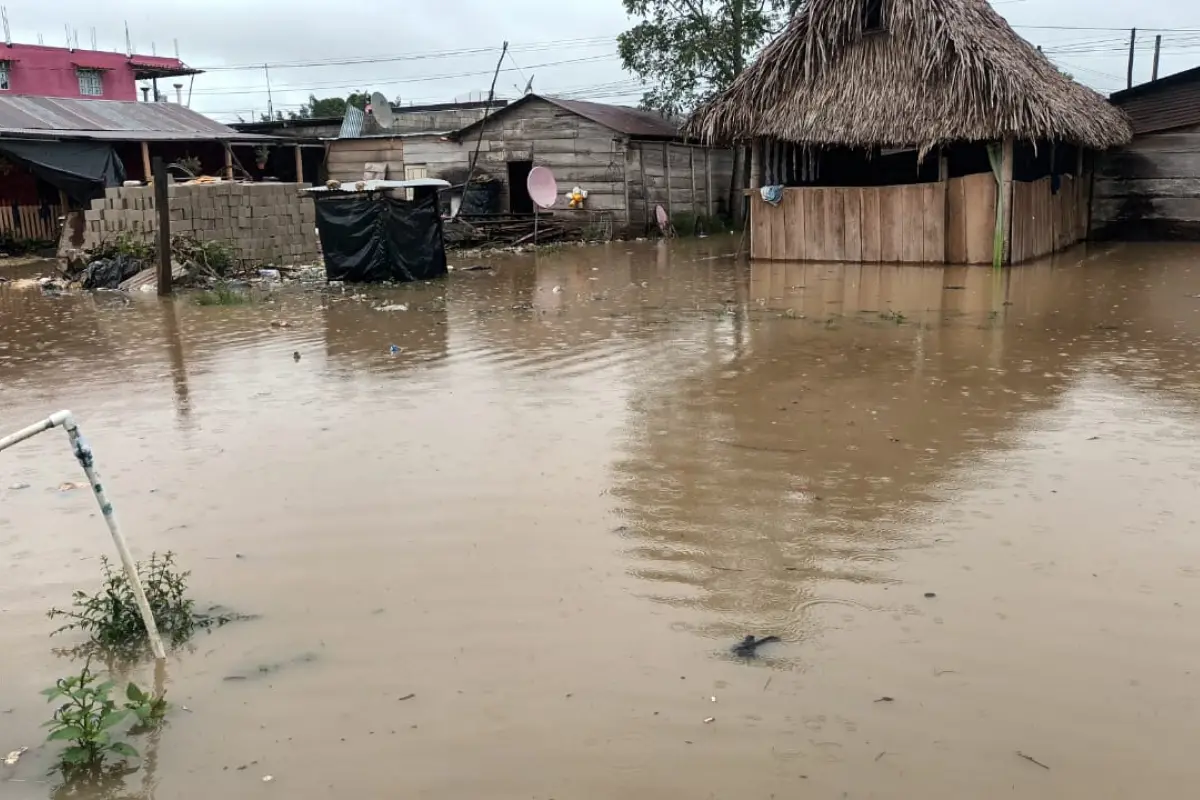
[4, 84]
[90, 83]
[873, 18]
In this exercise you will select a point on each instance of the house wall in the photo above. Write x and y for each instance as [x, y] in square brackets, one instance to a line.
[51, 71]
[1150, 189]
[436, 154]
[444, 119]
[699, 179]
[348, 157]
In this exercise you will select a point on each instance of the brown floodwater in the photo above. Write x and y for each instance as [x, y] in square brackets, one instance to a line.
[584, 476]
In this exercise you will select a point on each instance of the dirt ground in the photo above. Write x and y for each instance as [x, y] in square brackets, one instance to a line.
[583, 476]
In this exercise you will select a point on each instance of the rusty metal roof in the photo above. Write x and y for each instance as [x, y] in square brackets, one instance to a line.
[112, 120]
[1170, 102]
[622, 119]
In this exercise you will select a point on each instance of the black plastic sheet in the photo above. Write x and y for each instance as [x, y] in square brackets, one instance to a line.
[369, 238]
[81, 169]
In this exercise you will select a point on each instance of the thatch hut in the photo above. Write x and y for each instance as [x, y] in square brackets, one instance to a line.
[911, 131]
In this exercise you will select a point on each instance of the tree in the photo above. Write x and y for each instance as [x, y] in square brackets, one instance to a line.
[330, 106]
[688, 50]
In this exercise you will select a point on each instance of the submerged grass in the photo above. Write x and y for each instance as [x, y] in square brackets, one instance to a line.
[222, 295]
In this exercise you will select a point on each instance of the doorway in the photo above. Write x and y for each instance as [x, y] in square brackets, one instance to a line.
[519, 201]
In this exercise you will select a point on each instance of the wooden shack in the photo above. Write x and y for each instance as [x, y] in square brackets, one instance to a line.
[1150, 188]
[629, 161]
[908, 131]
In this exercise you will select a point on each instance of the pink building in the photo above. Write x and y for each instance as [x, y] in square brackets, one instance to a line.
[28, 69]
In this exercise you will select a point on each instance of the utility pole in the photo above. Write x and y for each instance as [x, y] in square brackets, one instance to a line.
[162, 204]
[1157, 49]
[1129, 70]
[270, 104]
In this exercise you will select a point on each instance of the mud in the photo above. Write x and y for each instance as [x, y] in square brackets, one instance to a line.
[510, 559]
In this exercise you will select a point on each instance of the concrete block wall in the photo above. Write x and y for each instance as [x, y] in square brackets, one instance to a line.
[264, 223]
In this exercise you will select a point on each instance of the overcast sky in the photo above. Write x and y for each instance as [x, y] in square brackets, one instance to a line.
[424, 52]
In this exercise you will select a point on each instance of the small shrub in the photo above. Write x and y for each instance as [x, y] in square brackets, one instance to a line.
[111, 619]
[89, 716]
[222, 295]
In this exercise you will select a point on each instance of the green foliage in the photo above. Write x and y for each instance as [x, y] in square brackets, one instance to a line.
[222, 295]
[126, 244]
[687, 50]
[111, 619]
[212, 259]
[89, 716]
[330, 106]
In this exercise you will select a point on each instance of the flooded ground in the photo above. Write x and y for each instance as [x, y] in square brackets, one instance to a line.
[583, 477]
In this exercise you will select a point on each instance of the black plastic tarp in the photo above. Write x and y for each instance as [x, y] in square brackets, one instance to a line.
[369, 238]
[81, 169]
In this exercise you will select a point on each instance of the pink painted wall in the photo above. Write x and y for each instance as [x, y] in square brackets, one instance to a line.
[50, 71]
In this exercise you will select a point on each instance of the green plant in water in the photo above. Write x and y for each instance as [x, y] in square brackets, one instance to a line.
[222, 295]
[111, 618]
[88, 717]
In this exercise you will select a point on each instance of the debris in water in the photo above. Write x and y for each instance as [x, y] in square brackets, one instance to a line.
[886, 699]
[748, 647]
[69, 487]
[406, 697]
[393, 349]
[12, 757]
[714, 699]
[1032, 759]
[476, 268]
[557, 290]
[280, 323]
[268, 778]
[18, 486]
[931, 594]
[395, 307]
[296, 356]
[707, 720]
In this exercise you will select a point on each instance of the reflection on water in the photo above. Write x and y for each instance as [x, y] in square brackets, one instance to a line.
[545, 499]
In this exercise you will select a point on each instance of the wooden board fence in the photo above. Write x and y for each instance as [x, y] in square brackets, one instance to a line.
[890, 224]
[28, 222]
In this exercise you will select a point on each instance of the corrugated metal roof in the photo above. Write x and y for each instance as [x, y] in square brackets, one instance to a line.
[622, 119]
[1164, 104]
[112, 120]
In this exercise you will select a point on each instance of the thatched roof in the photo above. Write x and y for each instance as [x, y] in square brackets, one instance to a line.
[945, 70]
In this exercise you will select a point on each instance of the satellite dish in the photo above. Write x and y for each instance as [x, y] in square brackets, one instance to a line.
[542, 186]
[381, 108]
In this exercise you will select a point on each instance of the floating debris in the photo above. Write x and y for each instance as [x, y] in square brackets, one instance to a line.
[14, 756]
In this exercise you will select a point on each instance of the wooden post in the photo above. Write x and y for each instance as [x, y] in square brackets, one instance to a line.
[627, 150]
[1129, 69]
[1006, 199]
[228, 161]
[162, 204]
[756, 165]
[708, 198]
[666, 148]
[1157, 49]
[146, 162]
[692, 170]
[299, 166]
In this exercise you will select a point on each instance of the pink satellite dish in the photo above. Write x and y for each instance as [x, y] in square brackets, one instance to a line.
[542, 186]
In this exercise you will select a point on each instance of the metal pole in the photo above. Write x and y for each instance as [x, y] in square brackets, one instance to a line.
[1129, 69]
[1157, 49]
[83, 454]
[162, 203]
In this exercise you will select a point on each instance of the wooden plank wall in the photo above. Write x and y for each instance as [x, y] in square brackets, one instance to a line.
[27, 223]
[1045, 221]
[348, 156]
[970, 219]
[1150, 189]
[690, 179]
[891, 224]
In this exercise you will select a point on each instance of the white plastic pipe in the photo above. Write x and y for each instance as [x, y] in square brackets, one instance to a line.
[83, 454]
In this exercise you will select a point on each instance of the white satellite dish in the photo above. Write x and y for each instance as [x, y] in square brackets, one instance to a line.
[381, 109]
